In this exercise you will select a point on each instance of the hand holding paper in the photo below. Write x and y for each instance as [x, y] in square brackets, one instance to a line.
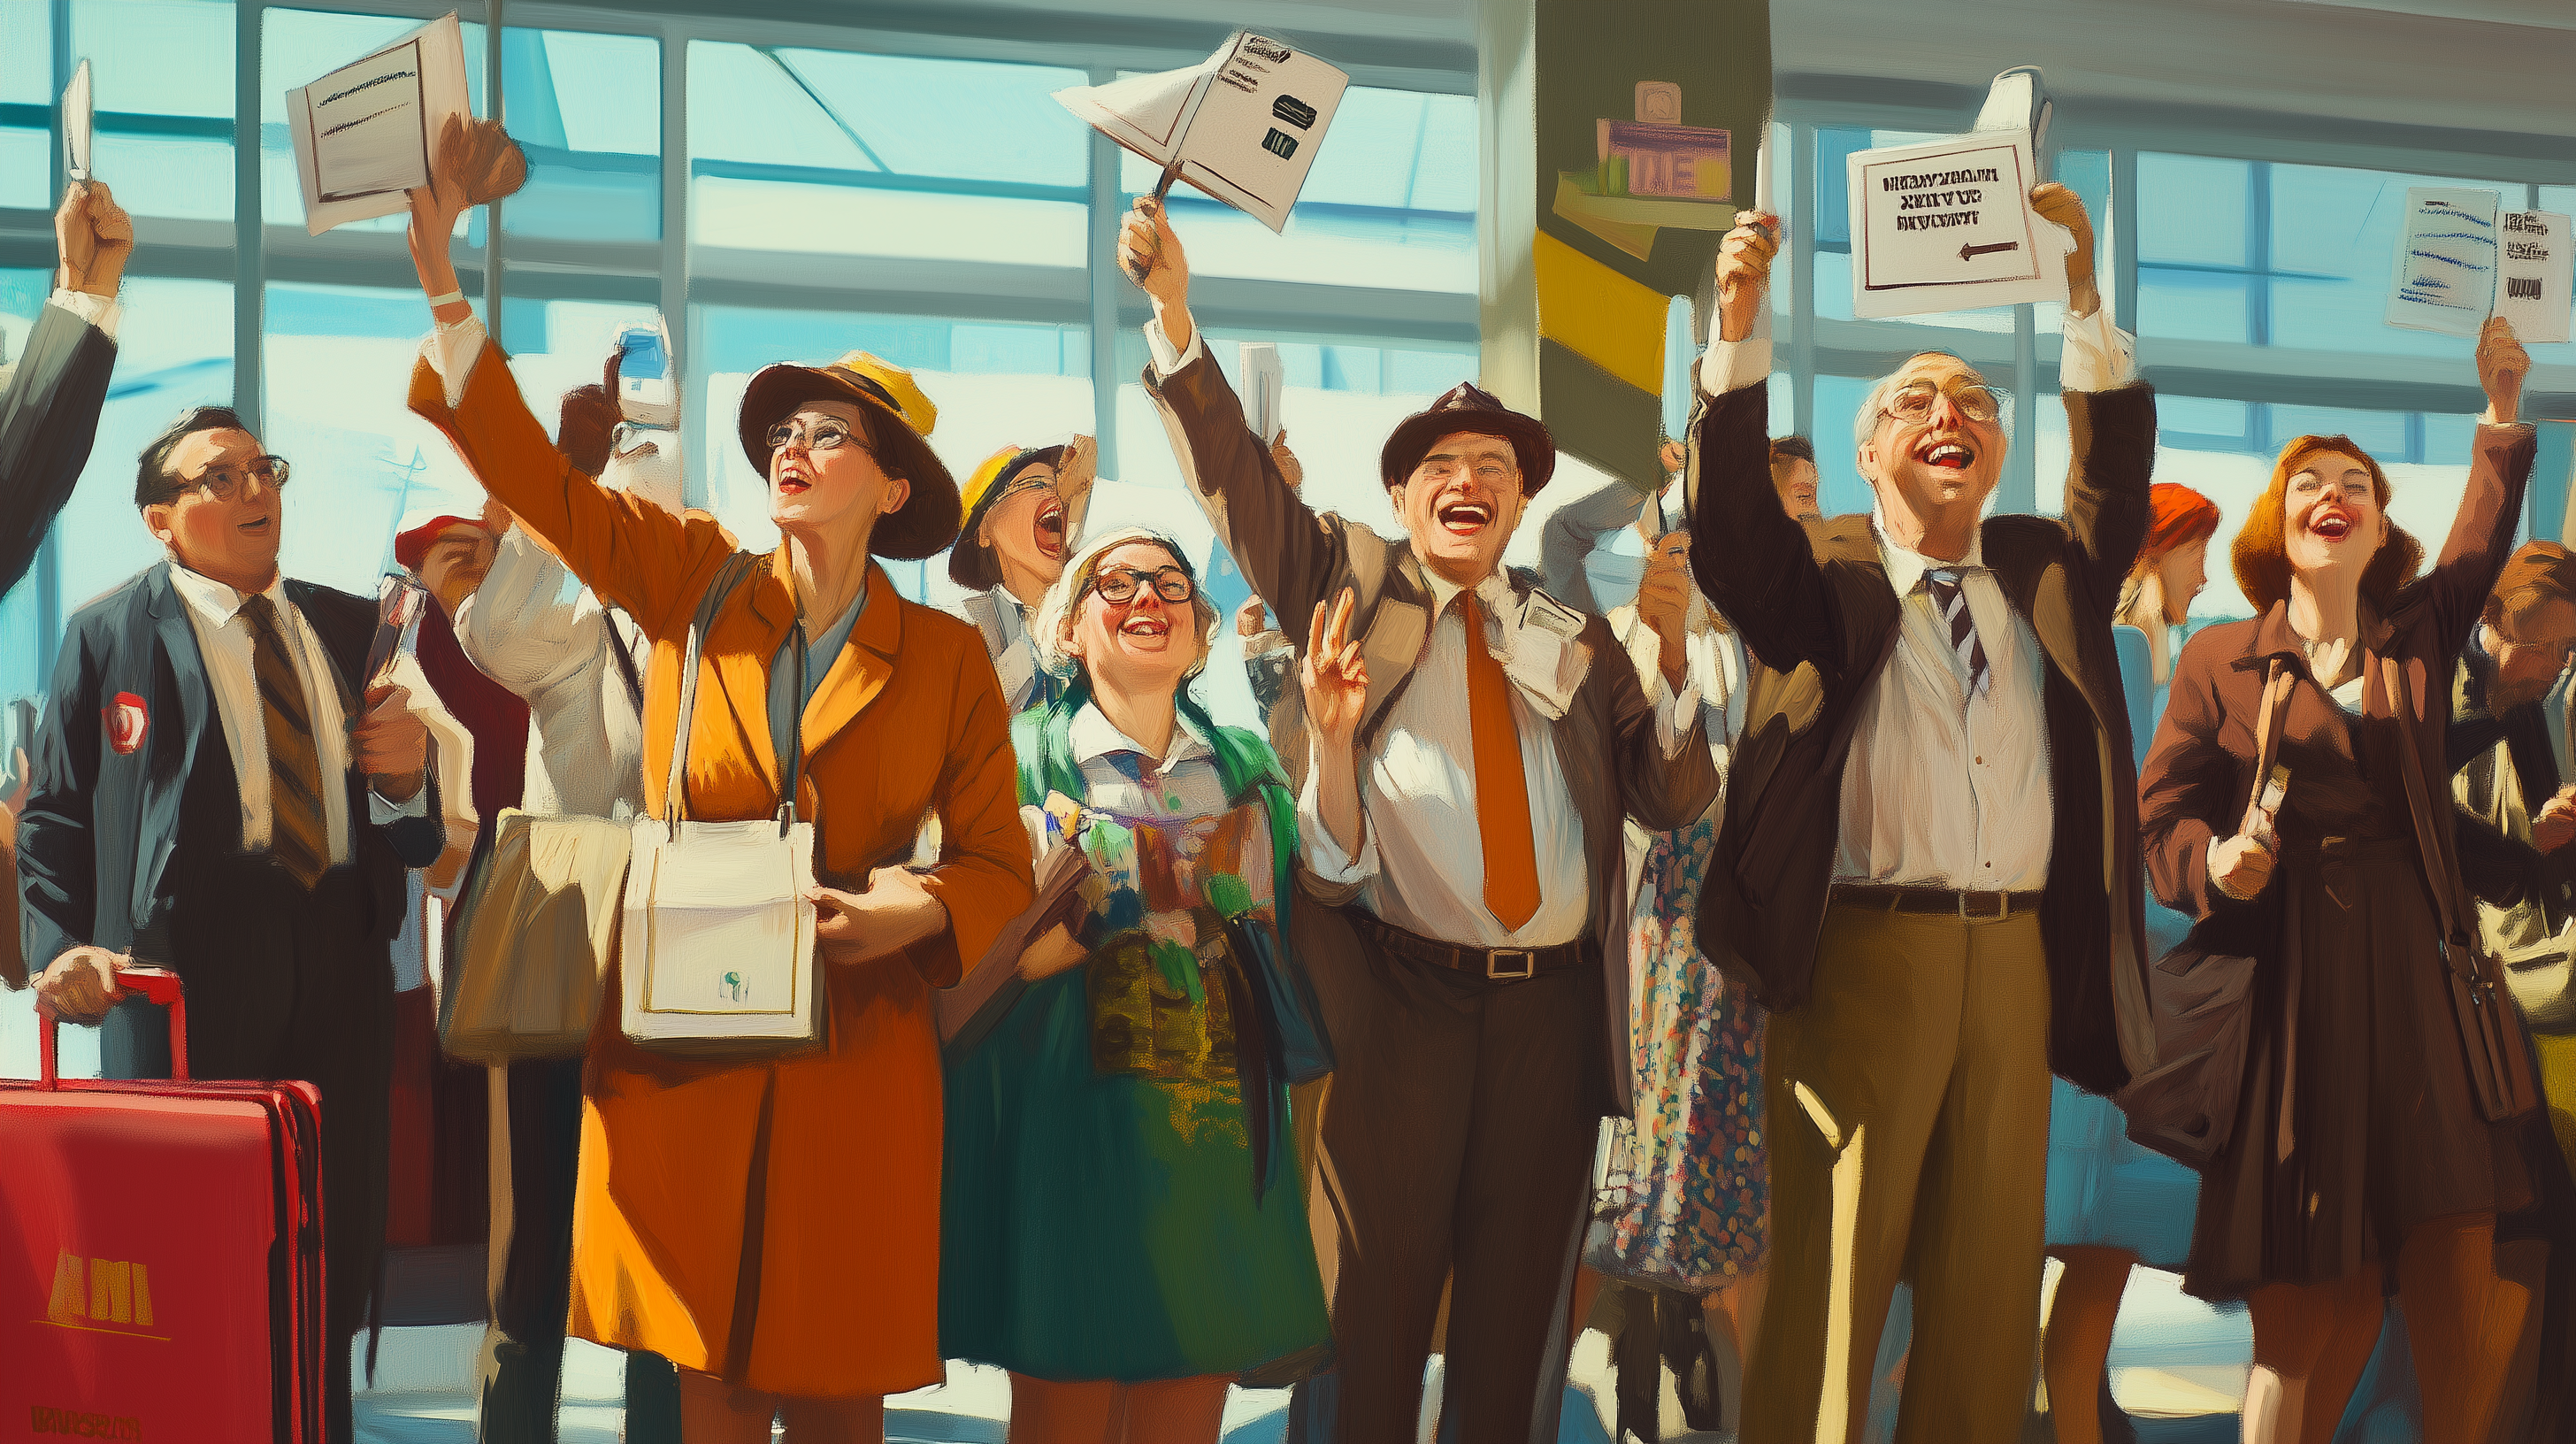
[2062, 207]
[95, 237]
[1744, 272]
[476, 163]
[2502, 363]
[1148, 246]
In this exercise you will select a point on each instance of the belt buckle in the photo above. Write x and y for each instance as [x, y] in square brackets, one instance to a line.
[1494, 957]
[2002, 912]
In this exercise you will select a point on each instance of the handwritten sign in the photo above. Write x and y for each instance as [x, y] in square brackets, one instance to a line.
[1946, 225]
[2446, 261]
[361, 134]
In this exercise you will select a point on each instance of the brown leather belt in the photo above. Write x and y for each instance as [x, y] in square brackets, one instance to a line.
[1502, 965]
[1975, 907]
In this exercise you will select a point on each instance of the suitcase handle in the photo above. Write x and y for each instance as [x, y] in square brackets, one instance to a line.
[155, 985]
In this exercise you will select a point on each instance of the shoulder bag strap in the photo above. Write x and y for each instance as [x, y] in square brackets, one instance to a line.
[675, 793]
[624, 657]
[2428, 838]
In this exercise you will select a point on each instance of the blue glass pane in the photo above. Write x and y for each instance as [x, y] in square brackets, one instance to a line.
[2204, 416]
[1012, 131]
[1443, 179]
[1834, 145]
[856, 220]
[588, 110]
[2088, 174]
[156, 57]
[2195, 210]
[743, 106]
[2447, 437]
[26, 55]
[2347, 315]
[1839, 488]
[174, 350]
[1330, 246]
[2194, 305]
[157, 175]
[1377, 153]
[581, 196]
[1783, 392]
[2381, 433]
[606, 89]
[1428, 372]
[2335, 238]
[26, 167]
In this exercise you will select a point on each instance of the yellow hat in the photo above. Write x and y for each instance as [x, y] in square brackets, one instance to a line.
[928, 521]
[981, 482]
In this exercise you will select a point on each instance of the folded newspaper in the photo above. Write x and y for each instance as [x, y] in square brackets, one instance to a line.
[1243, 127]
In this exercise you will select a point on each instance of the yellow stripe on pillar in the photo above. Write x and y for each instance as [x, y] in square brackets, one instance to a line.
[1600, 315]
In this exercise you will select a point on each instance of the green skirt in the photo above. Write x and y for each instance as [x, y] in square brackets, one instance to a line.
[1102, 1225]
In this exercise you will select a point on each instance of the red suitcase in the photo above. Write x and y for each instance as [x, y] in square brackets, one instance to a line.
[165, 1278]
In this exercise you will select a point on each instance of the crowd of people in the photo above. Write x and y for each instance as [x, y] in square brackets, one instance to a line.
[1806, 947]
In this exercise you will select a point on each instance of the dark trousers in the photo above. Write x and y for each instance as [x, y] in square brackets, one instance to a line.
[523, 1371]
[1461, 1137]
[286, 984]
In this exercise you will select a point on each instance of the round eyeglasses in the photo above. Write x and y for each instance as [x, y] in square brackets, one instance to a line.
[826, 436]
[1118, 585]
[1913, 401]
[223, 483]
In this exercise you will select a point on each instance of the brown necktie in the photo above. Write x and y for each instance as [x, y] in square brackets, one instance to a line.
[1502, 789]
[298, 836]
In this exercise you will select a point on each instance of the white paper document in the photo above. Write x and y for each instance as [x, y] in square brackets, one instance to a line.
[1243, 127]
[2533, 274]
[363, 133]
[2446, 261]
[78, 125]
[1262, 382]
[1947, 225]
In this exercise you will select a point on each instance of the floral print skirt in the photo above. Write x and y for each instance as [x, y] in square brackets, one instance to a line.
[1686, 1202]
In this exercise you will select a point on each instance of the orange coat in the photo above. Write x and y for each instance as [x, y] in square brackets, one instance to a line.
[775, 1223]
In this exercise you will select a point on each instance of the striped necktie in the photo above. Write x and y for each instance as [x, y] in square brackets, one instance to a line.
[1950, 599]
[298, 835]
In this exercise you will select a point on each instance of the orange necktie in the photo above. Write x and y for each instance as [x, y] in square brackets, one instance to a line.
[1502, 789]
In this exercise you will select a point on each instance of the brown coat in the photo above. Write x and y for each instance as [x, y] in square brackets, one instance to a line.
[1605, 743]
[776, 1223]
[2357, 1117]
[1813, 604]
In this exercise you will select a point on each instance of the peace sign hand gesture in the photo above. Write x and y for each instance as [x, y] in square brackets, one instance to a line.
[1334, 676]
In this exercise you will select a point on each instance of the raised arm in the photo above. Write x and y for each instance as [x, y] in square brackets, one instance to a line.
[1292, 561]
[2110, 414]
[1753, 562]
[520, 628]
[49, 413]
[1575, 530]
[631, 552]
[2500, 458]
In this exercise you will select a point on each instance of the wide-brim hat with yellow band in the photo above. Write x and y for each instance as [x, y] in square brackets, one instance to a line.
[971, 563]
[902, 418]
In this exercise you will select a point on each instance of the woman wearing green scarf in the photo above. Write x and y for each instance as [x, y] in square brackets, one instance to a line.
[1123, 1228]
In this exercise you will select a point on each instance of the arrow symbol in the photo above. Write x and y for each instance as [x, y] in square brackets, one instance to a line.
[1970, 253]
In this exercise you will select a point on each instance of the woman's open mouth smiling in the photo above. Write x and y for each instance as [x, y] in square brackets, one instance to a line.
[1050, 530]
[2334, 526]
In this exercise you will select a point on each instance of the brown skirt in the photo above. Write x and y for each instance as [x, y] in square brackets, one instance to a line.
[2377, 1128]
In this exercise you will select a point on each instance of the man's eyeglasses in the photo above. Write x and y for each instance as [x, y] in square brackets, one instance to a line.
[1912, 402]
[1118, 585]
[224, 482]
[826, 436]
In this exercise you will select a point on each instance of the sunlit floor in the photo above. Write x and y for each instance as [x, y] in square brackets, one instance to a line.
[2178, 1367]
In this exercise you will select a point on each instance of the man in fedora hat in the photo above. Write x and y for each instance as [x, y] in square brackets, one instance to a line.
[1474, 745]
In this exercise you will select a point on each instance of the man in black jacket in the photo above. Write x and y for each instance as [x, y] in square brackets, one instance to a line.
[49, 402]
[219, 788]
[1929, 865]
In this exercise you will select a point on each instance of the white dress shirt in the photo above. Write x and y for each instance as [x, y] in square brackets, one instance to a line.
[1184, 783]
[1945, 787]
[1015, 662]
[224, 644]
[533, 628]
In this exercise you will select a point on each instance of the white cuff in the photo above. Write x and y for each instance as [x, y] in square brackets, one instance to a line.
[1166, 360]
[1324, 856]
[1734, 365]
[100, 311]
[381, 812]
[2209, 865]
[451, 349]
[2098, 356]
[1673, 715]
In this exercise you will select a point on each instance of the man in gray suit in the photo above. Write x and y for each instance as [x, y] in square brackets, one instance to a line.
[49, 402]
[1463, 815]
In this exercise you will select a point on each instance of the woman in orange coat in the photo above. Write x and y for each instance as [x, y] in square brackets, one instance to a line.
[772, 1227]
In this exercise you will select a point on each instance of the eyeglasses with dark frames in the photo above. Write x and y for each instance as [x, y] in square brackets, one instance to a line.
[1118, 585]
[223, 483]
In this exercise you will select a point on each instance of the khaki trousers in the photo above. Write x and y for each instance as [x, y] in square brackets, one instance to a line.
[1909, 1120]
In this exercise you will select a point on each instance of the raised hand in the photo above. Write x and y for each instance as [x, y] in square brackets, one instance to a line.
[1149, 251]
[1074, 477]
[2502, 365]
[475, 162]
[2062, 207]
[1291, 470]
[1663, 600]
[1744, 272]
[1333, 674]
[94, 238]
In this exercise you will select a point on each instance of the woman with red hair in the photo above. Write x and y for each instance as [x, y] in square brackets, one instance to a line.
[2374, 1136]
[2172, 567]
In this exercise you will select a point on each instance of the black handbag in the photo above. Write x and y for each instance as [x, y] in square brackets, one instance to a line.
[2201, 998]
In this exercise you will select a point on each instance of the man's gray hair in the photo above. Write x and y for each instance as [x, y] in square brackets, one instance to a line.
[1865, 420]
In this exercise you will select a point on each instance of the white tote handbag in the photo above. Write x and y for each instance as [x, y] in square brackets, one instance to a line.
[717, 957]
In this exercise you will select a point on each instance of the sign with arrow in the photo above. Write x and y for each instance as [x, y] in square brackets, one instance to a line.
[1947, 225]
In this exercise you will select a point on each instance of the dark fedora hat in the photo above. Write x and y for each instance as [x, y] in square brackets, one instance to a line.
[899, 419]
[1469, 407]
